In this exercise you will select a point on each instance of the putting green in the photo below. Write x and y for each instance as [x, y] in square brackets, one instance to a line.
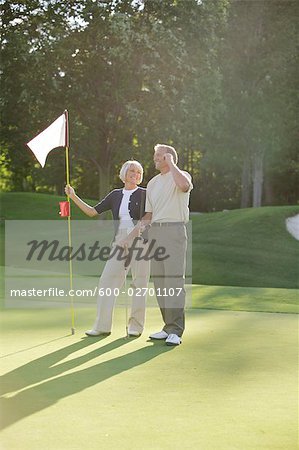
[232, 384]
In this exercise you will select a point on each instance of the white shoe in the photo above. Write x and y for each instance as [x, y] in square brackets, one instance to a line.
[134, 333]
[97, 333]
[173, 339]
[160, 335]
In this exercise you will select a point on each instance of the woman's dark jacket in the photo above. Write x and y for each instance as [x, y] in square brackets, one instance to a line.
[113, 200]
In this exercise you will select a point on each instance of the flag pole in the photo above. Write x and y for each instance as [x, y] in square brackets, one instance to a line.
[67, 143]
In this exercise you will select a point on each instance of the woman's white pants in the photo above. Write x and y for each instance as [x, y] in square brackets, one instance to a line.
[113, 280]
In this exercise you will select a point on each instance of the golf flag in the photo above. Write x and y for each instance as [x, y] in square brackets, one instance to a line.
[52, 137]
[57, 135]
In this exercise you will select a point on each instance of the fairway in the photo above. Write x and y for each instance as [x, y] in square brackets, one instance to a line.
[232, 384]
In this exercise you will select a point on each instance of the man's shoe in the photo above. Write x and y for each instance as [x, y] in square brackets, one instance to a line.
[173, 339]
[160, 335]
[94, 333]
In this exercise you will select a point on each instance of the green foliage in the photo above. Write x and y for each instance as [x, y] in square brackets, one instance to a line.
[259, 67]
[212, 78]
[5, 172]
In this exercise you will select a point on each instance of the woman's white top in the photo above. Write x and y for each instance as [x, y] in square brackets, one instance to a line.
[126, 221]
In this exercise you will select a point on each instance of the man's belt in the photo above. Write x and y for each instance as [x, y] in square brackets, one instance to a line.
[166, 224]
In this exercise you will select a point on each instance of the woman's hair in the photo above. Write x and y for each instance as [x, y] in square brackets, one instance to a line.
[125, 167]
[168, 149]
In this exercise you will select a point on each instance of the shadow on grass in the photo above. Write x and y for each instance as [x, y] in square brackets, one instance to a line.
[37, 398]
[45, 367]
[34, 346]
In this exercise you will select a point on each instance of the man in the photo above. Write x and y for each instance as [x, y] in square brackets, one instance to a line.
[167, 209]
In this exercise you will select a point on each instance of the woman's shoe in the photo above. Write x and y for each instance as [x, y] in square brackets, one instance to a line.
[134, 334]
[94, 333]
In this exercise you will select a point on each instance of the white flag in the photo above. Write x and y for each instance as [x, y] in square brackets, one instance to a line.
[47, 140]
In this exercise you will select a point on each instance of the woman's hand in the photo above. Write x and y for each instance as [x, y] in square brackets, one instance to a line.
[124, 243]
[69, 190]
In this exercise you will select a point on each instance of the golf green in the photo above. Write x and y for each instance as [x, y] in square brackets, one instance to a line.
[232, 384]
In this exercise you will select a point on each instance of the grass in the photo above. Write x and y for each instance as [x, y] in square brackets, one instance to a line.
[238, 257]
[227, 386]
[235, 298]
[231, 385]
[30, 206]
[249, 247]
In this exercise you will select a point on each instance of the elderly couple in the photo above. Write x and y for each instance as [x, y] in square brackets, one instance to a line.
[159, 214]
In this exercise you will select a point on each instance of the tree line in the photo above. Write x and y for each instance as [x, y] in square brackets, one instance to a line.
[214, 78]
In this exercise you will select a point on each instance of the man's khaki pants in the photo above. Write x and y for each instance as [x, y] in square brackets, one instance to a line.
[168, 275]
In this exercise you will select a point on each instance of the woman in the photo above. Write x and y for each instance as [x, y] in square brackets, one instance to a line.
[127, 205]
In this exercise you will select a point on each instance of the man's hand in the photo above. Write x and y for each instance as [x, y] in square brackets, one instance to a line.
[169, 159]
[180, 179]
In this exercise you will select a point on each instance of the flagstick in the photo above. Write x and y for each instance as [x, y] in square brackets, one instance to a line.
[69, 216]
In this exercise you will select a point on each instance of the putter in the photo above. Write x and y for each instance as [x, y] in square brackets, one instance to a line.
[126, 273]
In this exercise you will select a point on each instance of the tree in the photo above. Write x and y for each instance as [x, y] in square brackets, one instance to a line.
[259, 46]
[210, 78]
[30, 77]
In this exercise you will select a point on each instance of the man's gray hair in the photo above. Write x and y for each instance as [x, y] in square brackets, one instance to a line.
[168, 149]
